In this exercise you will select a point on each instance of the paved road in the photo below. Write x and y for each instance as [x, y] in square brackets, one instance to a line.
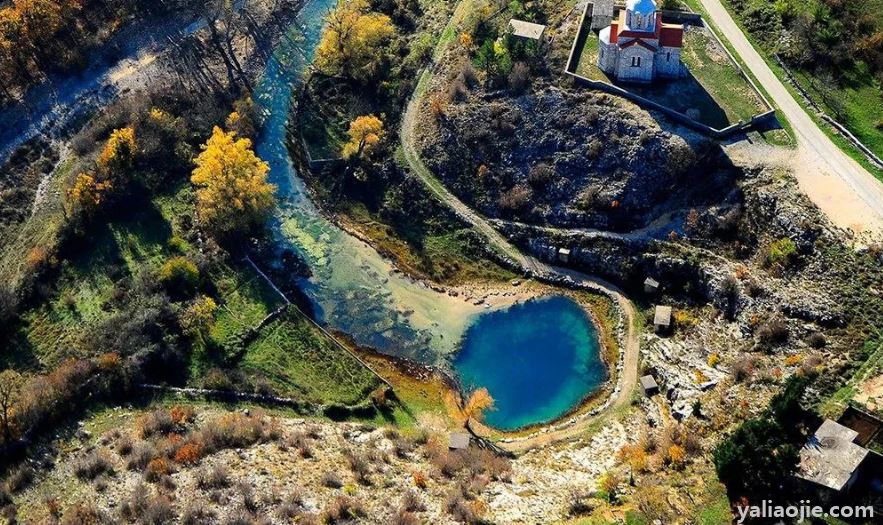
[628, 378]
[841, 187]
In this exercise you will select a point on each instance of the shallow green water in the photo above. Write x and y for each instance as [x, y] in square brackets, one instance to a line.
[537, 359]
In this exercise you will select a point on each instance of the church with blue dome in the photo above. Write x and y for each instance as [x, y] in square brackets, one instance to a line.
[639, 47]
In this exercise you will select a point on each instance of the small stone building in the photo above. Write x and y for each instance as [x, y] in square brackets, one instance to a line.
[527, 30]
[831, 460]
[564, 255]
[662, 319]
[639, 46]
[649, 386]
[459, 441]
[602, 14]
[651, 285]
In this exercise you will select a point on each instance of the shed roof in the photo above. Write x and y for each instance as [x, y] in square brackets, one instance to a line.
[527, 29]
[662, 316]
[459, 440]
[649, 281]
[648, 383]
[830, 457]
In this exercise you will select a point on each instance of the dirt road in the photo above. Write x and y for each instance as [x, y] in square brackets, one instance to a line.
[849, 195]
[628, 377]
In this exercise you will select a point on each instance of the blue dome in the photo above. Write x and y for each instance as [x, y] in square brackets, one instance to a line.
[641, 7]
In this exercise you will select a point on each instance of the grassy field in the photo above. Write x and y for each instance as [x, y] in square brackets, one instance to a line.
[714, 88]
[300, 361]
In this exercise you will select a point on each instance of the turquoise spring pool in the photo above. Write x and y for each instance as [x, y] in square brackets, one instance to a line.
[537, 359]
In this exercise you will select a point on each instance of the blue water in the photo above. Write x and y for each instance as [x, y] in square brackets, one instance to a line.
[537, 359]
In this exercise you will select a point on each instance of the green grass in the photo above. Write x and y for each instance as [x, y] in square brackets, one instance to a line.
[300, 361]
[245, 300]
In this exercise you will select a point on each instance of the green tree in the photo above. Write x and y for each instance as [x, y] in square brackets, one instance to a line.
[756, 458]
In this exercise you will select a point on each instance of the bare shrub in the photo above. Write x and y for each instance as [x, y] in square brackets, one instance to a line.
[470, 76]
[158, 512]
[411, 502]
[774, 332]
[84, 513]
[358, 463]
[457, 91]
[246, 492]
[19, 477]
[816, 340]
[540, 175]
[300, 442]
[519, 78]
[156, 422]
[515, 199]
[93, 465]
[124, 445]
[342, 508]
[582, 502]
[331, 480]
[214, 477]
[198, 514]
[743, 368]
[140, 456]
[403, 517]
[458, 507]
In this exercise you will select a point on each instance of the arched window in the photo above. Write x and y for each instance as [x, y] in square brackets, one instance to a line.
[636, 61]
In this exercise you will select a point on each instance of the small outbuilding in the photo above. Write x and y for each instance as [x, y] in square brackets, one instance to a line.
[649, 386]
[564, 254]
[459, 441]
[662, 319]
[831, 458]
[527, 30]
[651, 285]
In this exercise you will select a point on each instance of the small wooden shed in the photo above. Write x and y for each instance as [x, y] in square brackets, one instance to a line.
[662, 318]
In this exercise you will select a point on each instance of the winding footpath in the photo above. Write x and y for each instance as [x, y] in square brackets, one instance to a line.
[849, 195]
[628, 375]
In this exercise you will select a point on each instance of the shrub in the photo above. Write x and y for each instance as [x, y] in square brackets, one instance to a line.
[84, 513]
[743, 368]
[19, 478]
[515, 199]
[331, 480]
[141, 455]
[773, 333]
[519, 78]
[179, 276]
[403, 517]
[358, 463]
[411, 502]
[214, 477]
[342, 508]
[156, 469]
[155, 422]
[182, 415]
[93, 465]
[300, 442]
[780, 254]
[581, 503]
[188, 454]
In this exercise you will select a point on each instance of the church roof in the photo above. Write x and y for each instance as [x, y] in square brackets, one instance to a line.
[638, 42]
[642, 7]
[671, 35]
[668, 35]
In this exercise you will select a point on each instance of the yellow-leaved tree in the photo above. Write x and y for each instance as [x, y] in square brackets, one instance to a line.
[116, 161]
[85, 196]
[364, 133]
[233, 195]
[352, 41]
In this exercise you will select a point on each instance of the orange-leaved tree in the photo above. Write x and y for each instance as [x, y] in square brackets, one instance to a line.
[365, 133]
[352, 41]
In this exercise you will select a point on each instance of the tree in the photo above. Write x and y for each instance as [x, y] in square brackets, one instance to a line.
[352, 41]
[756, 458]
[365, 132]
[197, 318]
[233, 195]
[117, 158]
[478, 402]
[11, 383]
[84, 198]
[180, 276]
